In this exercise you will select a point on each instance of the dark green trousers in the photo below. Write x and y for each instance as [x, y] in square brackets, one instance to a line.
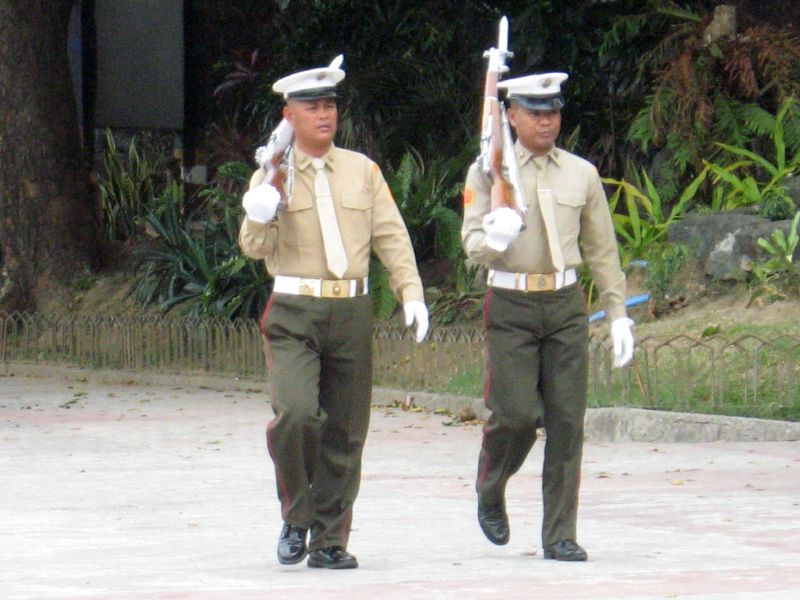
[537, 376]
[320, 368]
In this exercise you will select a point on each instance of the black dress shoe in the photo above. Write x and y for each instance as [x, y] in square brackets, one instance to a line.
[332, 557]
[291, 545]
[565, 550]
[494, 523]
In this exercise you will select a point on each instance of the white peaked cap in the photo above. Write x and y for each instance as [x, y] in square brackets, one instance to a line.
[312, 83]
[537, 92]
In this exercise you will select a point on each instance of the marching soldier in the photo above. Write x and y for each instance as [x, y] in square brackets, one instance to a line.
[318, 323]
[535, 313]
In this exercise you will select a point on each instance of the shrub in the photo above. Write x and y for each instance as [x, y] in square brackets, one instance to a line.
[196, 263]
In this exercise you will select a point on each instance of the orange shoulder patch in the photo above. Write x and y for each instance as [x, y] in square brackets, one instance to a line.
[375, 167]
[469, 196]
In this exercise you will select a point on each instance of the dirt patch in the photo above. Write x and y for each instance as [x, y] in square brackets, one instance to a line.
[108, 294]
[694, 305]
[726, 314]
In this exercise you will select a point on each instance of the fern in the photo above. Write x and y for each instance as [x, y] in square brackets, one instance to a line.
[624, 28]
[791, 128]
[728, 124]
[739, 122]
[701, 93]
[641, 131]
[671, 9]
[757, 120]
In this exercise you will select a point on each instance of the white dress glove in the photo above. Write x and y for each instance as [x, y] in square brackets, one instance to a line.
[416, 310]
[261, 203]
[622, 338]
[502, 227]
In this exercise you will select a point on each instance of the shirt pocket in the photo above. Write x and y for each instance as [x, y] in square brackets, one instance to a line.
[357, 201]
[569, 206]
[298, 227]
[300, 202]
[356, 219]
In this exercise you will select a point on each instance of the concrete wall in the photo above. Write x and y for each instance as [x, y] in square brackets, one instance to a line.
[139, 64]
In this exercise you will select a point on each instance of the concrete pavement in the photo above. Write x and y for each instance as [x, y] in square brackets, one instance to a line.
[129, 491]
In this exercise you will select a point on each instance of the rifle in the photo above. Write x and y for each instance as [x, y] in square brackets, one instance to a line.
[496, 145]
[269, 158]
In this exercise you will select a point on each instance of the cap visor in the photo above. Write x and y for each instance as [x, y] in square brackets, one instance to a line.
[315, 94]
[553, 103]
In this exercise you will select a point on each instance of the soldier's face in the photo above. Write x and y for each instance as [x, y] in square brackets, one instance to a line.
[537, 130]
[314, 122]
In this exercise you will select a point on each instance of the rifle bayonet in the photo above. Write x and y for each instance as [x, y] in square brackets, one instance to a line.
[496, 149]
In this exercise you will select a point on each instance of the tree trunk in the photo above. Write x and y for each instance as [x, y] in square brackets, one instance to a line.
[48, 230]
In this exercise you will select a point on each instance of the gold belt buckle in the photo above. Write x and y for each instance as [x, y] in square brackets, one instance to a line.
[541, 282]
[335, 289]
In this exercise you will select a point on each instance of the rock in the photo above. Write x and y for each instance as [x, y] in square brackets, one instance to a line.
[726, 243]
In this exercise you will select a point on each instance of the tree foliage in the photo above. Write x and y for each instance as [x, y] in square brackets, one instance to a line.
[647, 98]
[698, 89]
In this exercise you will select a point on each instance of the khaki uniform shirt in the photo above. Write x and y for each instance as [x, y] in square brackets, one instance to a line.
[368, 219]
[581, 211]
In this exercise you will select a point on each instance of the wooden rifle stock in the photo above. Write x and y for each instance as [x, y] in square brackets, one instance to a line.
[502, 194]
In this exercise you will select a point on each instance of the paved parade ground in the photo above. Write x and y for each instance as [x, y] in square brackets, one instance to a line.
[131, 491]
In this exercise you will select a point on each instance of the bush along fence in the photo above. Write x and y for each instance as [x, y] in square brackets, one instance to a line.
[746, 376]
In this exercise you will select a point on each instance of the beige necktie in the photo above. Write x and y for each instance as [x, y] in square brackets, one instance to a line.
[549, 216]
[331, 236]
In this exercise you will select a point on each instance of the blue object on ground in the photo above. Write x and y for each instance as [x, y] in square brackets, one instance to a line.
[632, 301]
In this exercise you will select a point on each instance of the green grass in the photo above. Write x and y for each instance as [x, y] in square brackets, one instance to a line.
[682, 382]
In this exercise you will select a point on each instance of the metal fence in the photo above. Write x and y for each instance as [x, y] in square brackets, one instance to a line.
[746, 375]
[165, 344]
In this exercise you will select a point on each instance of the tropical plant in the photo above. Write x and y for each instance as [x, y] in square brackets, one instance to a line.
[751, 178]
[230, 182]
[779, 276]
[776, 205]
[384, 301]
[663, 263]
[425, 195]
[461, 303]
[127, 186]
[642, 220]
[422, 194]
[195, 264]
[586, 281]
[698, 87]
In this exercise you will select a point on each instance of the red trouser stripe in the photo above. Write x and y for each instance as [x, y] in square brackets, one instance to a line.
[487, 386]
[287, 500]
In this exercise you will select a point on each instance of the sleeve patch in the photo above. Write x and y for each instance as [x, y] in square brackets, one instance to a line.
[469, 196]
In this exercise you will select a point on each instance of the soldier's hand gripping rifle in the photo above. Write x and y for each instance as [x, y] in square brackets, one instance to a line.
[269, 158]
[496, 145]
[267, 193]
